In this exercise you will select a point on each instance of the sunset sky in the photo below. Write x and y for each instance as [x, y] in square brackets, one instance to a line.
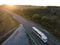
[31, 2]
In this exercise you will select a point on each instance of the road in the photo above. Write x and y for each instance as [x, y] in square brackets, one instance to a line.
[18, 37]
[6, 34]
[28, 26]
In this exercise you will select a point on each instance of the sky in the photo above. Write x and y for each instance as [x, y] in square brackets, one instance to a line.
[32, 2]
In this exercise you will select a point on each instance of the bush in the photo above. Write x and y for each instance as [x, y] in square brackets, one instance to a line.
[36, 17]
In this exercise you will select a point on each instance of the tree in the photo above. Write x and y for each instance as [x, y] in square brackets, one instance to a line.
[36, 17]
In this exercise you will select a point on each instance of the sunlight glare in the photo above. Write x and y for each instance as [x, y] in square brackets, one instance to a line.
[31, 2]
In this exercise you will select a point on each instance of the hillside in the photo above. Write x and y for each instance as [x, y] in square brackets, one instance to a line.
[7, 23]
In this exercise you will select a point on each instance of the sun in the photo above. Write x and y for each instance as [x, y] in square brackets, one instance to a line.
[10, 7]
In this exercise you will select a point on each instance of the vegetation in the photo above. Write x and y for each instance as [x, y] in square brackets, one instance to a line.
[7, 23]
[48, 17]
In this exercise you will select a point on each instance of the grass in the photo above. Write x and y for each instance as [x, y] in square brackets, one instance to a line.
[7, 23]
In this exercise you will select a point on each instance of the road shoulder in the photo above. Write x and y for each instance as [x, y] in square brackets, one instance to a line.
[17, 38]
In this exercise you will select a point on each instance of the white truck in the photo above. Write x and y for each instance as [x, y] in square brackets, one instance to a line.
[41, 35]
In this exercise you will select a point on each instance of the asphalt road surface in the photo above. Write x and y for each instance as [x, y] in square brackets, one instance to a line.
[28, 26]
[18, 37]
